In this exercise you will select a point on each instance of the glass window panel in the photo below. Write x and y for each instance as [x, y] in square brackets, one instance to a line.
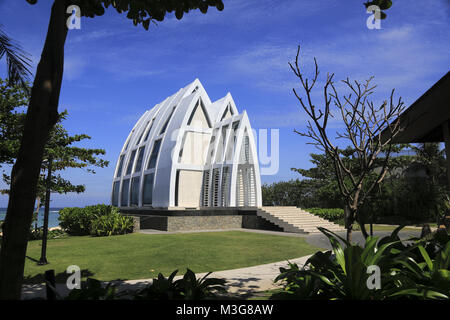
[130, 162]
[119, 169]
[135, 191]
[142, 133]
[124, 197]
[129, 139]
[147, 193]
[148, 131]
[115, 198]
[167, 122]
[139, 159]
[154, 155]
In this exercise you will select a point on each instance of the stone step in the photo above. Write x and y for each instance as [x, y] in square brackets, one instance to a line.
[286, 226]
[299, 218]
[293, 219]
[305, 220]
[315, 227]
[293, 214]
[312, 226]
[280, 207]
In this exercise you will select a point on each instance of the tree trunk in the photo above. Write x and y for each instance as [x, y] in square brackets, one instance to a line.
[42, 115]
[349, 219]
[43, 259]
[362, 226]
[349, 234]
[38, 206]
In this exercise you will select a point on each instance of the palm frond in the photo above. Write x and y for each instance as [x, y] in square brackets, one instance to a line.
[17, 60]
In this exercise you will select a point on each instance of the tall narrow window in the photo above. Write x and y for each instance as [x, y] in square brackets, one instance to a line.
[142, 133]
[115, 198]
[119, 169]
[154, 155]
[139, 159]
[130, 162]
[124, 196]
[205, 193]
[147, 190]
[129, 139]
[148, 131]
[163, 129]
[225, 186]
[135, 191]
[198, 116]
[215, 188]
[227, 113]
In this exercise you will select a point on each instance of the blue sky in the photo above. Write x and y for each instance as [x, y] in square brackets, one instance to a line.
[115, 71]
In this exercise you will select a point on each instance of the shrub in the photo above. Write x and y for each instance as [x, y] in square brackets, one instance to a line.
[406, 271]
[186, 288]
[110, 224]
[78, 221]
[93, 289]
[36, 234]
[332, 214]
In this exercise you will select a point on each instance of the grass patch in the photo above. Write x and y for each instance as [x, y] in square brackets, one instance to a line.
[141, 256]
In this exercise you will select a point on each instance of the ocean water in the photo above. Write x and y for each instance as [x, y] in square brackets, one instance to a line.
[52, 217]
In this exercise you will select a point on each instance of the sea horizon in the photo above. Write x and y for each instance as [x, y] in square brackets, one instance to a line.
[52, 219]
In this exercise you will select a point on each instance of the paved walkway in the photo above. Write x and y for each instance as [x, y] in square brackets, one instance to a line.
[321, 241]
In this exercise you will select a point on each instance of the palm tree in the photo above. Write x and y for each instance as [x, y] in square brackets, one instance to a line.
[17, 60]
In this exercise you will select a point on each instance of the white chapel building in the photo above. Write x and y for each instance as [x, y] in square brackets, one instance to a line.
[189, 152]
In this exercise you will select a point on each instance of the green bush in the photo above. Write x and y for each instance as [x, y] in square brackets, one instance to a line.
[111, 224]
[332, 214]
[78, 221]
[75, 221]
[36, 234]
[414, 271]
[186, 288]
[93, 289]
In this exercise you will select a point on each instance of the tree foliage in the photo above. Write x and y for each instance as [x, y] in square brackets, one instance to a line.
[59, 149]
[13, 97]
[413, 191]
[382, 4]
[143, 11]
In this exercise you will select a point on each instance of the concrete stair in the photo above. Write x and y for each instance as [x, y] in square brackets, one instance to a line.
[293, 219]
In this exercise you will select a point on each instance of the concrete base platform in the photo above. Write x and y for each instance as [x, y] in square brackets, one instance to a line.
[202, 219]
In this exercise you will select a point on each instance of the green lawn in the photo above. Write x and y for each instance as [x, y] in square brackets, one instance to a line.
[141, 256]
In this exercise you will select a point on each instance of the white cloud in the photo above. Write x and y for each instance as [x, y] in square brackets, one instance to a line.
[401, 57]
[74, 67]
[75, 39]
